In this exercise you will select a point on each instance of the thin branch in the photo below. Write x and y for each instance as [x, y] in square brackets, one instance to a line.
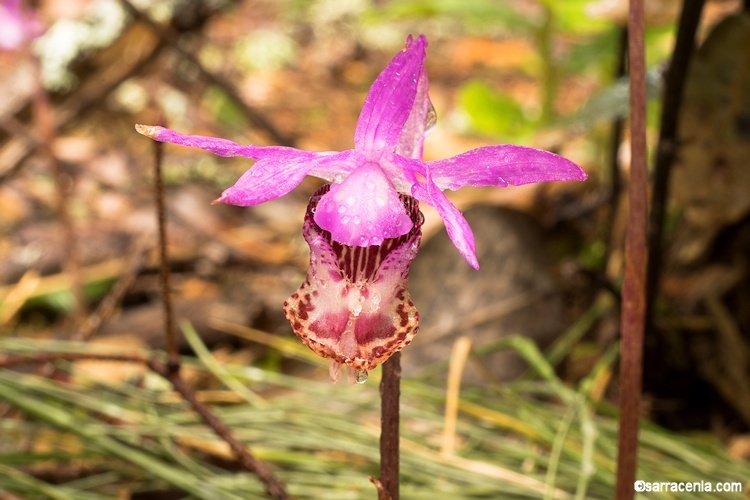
[171, 38]
[634, 281]
[166, 292]
[390, 393]
[674, 85]
[171, 369]
[274, 487]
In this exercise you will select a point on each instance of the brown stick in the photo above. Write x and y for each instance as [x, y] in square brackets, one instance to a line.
[166, 292]
[634, 282]
[390, 393]
[171, 369]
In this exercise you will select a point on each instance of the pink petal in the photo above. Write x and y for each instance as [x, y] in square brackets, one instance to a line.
[411, 140]
[354, 307]
[458, 229]
[415, 176]
[502, 165]
[218, 146]
[267, 180]
[277, 170]
[390, 101]
[363, 210]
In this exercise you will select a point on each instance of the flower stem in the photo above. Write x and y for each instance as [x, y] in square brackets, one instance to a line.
[390, 392]
[634, 281]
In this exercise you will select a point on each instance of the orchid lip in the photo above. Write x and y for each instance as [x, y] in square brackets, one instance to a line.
[354, 307]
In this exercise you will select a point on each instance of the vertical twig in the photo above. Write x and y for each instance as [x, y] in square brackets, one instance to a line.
[166, 293]
[634, 283]
[390, 393]
[674, 85]
[171, 369]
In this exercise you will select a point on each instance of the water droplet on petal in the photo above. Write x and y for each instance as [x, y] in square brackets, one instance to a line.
[360, 376]
[356, 219]
[342, 209]
[345, 219]
[430, 119]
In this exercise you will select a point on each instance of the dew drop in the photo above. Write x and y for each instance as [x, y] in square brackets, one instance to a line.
[430, 119]
[342, 209]
[356, 219]
[345, 219]
[360, 376]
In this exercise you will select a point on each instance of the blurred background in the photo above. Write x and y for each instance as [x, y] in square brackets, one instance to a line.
[79, 262]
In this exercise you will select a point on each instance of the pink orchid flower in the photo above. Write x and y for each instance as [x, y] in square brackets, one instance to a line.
[364, 227]
[17, 26]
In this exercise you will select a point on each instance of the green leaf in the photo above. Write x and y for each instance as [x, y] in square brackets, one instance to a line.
[494, 113]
